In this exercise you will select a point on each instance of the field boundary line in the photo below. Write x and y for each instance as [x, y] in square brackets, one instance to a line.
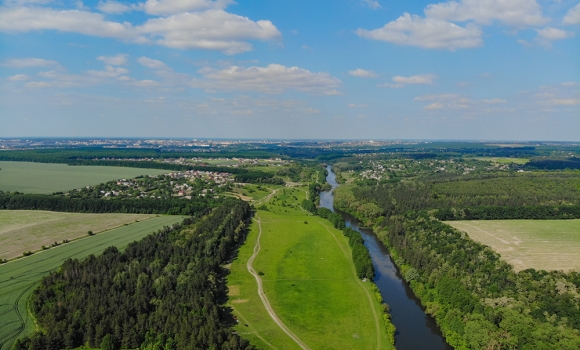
[263, 296]
[360, 283]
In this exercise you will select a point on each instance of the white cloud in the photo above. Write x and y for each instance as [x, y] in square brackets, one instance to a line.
[494, 101]
[36, 18]
[151, 63]
[392, 86]
[361, 73]
[37, 84]
[550, 33]
[572, 16]
[109, 72]
[144, 83]
[429, 33]
[211, 30]
[168, 7]
[372, 4]
[113, 7]
[28, 62]
[564, 102]
[117, 60]
[415, 79]
[517, 13]
[272, 79]
[435, 105]
[18, 77]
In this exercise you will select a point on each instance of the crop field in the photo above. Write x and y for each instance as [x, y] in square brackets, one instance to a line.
[539, 244]
[504, 160]
[45, 178]
[19, 277]
[29, 230]
[309, 280]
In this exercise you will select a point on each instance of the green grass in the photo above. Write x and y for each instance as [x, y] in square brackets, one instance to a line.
[504, 160]
[29, 230]
[309, 280]
[49, 178]
[19, 277]
[539, 244]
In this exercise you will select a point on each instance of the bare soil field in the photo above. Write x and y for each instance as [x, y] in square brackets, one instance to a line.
[29, 230]
[539, 244]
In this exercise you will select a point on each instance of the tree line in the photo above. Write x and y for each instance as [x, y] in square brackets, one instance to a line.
[163, 292]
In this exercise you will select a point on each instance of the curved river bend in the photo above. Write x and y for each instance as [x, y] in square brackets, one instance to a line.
[415, 329]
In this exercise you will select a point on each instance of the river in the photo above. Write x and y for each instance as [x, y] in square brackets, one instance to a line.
[415, 329]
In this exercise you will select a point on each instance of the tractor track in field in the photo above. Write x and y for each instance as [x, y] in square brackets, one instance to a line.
[20, 328]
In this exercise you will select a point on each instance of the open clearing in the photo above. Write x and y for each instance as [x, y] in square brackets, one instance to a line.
[19, 277]
[45, 178]
[503, 160]
[29, 230]
[539, 244]
[307, 275]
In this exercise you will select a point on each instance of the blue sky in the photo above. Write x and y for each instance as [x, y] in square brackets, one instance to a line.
[464, 70]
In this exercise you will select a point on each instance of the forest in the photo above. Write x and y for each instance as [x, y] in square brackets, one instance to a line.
[143, 297]
[477, 299]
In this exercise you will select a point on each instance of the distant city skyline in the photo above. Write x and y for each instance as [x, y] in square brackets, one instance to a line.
[465, 70]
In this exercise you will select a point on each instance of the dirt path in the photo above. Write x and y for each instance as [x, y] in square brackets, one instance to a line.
[265, 300]
[369, 297]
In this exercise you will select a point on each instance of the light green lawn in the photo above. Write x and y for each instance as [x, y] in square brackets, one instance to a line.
[49, 178]
[19, 277]
[538, 244]
[504, 160]
[309, 280]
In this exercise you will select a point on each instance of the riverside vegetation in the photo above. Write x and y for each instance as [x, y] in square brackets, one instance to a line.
[478, 300]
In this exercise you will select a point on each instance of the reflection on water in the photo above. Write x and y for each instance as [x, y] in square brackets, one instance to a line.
[415, 329]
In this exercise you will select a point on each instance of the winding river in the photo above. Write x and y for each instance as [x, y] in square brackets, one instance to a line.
[415, 329]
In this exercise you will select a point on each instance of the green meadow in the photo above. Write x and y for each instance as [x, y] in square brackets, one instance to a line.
[46, 178]
[309, 279]
[19, 277]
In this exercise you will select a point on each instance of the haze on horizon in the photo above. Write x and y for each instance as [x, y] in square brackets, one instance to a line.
[356, 69]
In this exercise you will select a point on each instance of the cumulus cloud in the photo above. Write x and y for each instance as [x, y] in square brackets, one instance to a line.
[167, 7]
[550, 33]
[361, 73]
[415, 79]
[212, 29]
[113, 7]
[117, 60]
[372, 4]
[108, 72]
[572, 16]
[18, 77]
[151, 63]
[516, 13]
[28, 62]
[272, 79]
[445, 101]
[429, 33]
[435, 105]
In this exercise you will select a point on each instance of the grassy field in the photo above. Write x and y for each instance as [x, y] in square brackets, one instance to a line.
[504, 160]
[539, 244]
[309, 280]
[20, 276]
[29, 230]
[49, 178]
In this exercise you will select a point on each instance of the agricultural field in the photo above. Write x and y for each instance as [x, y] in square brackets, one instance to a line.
[503, 160]
[308, 277]
[29, 230]
[19, 277]
[46, 178]
[539, 244]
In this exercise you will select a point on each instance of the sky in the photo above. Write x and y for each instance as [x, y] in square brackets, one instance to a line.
[294, 69]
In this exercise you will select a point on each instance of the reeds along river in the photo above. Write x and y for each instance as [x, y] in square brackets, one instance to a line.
[415, 329]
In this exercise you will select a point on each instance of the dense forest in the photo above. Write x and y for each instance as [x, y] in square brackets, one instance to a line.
[478, 300]
[173, 206]
[163, 292]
